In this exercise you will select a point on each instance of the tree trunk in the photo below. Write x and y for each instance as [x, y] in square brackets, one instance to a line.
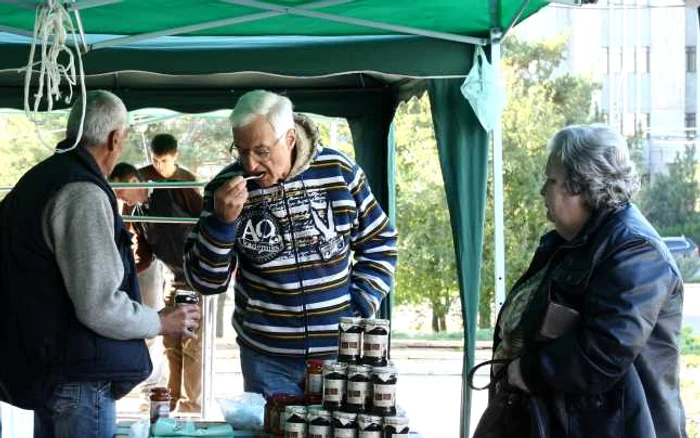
[443, 323]
[485, 315]
[436, 323]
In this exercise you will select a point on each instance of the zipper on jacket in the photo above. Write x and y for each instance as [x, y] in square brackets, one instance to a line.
[297, 270]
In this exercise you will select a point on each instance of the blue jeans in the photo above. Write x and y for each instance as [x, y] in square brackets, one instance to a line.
[268, 375]
[77, 410]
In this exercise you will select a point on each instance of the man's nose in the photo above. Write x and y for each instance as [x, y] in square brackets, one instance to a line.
[250, 163]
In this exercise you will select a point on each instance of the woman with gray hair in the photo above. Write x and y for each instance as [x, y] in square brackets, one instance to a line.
[586, 344]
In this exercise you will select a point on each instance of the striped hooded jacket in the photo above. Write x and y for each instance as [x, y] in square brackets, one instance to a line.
[304, 252]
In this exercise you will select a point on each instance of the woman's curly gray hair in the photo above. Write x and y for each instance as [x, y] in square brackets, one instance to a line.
[597, 164]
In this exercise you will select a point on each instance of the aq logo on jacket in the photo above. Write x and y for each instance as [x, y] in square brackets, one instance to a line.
[258, 236]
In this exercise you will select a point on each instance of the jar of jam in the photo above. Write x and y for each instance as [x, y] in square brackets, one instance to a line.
[369, 426]
[344, 424]
[376, 342]
[384, 390]
[358, 395]
[319, 423]
[313, 387]
[295, 422]
[395, 427]
[160, 403]
[349, 339]
[334, 384]
[275, 411]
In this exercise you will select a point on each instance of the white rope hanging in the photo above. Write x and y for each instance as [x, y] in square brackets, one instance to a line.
[51, 29]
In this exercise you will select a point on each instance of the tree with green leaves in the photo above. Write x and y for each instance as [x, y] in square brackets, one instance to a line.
[671, 198]
[21, 147]
[427, 269]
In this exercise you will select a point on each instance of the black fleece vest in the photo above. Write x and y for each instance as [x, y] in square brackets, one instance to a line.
[43, 342]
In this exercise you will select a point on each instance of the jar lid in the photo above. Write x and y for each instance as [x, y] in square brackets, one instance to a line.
[350, 321]
[160, 390]
[345, 417]
[354, 369]
[315, 412]
[366, 419]
[396, 421]
[331, 366]
[295, 410]
[375, 323]
[385, 370]
[314, 362]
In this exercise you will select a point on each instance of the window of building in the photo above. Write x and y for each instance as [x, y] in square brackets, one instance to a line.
[629, 124]
[604, 62]
[690, 125]
[643, 125]
[629, 59]
[643, 61]
[615, 60]
[691, 59]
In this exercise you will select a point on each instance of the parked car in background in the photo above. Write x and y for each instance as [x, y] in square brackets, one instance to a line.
[681, 246]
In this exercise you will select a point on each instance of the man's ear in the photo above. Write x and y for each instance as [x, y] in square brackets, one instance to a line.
[291, 138]
[113, 139]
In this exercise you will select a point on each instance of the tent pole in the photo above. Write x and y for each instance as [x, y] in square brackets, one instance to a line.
[499, 245]
[359, 22]
[207, 25]
[17, 31]
[515, 19]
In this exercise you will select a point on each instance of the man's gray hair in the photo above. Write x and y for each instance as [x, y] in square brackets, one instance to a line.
[104, 113]
[597, 164]
[275, 108]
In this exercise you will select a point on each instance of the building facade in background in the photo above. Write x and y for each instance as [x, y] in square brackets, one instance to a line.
[644, 54]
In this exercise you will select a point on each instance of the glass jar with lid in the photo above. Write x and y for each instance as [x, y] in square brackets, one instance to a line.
[349, 339]
[396, 427]
[160, 403]
[344, 424]
[375, 344]
[384, 390]
[319, 423]
[334, 384]
[358, 396]
[295, 422]
[369, 426]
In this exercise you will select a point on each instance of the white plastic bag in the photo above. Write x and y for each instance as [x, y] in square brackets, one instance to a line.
[140, 429]
[245, 411]
[486, 96]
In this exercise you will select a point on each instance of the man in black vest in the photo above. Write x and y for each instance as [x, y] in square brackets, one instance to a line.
[71, 323]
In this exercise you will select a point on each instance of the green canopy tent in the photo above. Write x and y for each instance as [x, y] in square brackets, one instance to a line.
[345, 58]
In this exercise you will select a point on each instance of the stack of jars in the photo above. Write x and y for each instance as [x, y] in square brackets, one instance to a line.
[357, 393]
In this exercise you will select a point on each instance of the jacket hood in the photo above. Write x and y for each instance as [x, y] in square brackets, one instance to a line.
[308, 139]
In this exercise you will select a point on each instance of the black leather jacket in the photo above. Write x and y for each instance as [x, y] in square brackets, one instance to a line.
[617, 373]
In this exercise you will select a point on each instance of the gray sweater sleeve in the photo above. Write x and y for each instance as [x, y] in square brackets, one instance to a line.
[78, 226]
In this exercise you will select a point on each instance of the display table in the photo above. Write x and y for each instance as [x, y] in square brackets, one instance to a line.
[123, 431]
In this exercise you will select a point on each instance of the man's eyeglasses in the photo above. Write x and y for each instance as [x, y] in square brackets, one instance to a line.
[260, 153]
